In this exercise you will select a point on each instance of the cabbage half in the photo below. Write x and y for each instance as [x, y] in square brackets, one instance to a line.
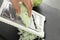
[37, 2]
[24, 15]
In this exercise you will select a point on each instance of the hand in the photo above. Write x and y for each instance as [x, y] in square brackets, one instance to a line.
[27, 3]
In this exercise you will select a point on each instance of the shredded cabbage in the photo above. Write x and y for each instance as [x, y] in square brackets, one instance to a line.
[26, 36]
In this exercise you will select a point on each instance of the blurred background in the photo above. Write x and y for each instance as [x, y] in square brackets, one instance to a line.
[53, 3]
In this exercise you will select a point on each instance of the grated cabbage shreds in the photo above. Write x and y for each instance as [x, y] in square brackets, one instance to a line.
[26, 36]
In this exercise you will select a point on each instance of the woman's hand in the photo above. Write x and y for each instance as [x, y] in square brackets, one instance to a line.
[27, 3]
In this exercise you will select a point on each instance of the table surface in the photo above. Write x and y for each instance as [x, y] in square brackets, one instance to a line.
[52, 24]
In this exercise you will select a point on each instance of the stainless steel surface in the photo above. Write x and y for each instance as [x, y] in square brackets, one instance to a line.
[53, 3]
[1, 2]
[52, 25]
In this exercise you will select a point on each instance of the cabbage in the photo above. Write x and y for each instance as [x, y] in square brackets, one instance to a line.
[37, 2]
[24, 15]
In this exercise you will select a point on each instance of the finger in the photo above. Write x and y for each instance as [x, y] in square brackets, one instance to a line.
[16, 6]
[31, 6]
